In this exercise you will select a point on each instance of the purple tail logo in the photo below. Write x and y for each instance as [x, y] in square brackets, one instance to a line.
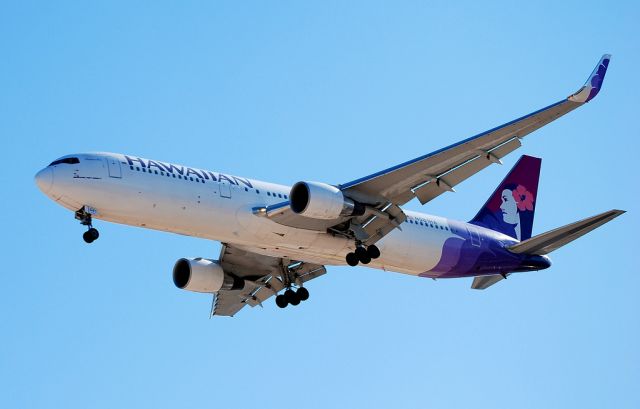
[511, 207]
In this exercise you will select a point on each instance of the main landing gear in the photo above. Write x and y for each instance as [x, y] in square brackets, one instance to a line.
[293, 297]
[84, 215]
[363, 255]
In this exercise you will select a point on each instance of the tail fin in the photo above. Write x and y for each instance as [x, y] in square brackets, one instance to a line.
[511, 207]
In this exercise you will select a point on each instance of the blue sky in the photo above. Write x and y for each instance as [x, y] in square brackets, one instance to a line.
[288, 91]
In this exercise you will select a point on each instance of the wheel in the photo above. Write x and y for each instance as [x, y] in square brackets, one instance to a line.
[93, 233]
[361, 252]
[292, 297]
[365, 259]
[373, 251]
[87, 237]
[303, 294]
[352, 259]
[281, 301]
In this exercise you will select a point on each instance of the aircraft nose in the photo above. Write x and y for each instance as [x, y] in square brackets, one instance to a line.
[44, 180]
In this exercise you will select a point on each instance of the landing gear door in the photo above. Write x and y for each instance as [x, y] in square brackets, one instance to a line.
[225, 190]
[115, 171]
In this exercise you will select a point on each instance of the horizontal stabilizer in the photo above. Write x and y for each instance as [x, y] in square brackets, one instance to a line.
[552, 240]
[484, 282]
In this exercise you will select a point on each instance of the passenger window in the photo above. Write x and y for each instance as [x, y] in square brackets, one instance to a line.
[268, 193]
[246, 189]
[279, 195]
[257, 192]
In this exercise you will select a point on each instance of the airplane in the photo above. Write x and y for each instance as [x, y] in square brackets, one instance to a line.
[276, 238]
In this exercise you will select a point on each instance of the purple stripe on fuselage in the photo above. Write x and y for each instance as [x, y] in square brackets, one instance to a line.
[478, 251]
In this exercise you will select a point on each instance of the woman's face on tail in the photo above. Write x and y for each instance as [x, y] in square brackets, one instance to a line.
[509, 207]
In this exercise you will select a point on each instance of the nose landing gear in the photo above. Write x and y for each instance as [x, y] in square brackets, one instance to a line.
[84, 215]
[363, 255]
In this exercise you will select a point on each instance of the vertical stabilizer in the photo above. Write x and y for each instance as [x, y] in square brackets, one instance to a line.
[511, 207]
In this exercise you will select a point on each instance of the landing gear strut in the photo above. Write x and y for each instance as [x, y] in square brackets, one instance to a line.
[291, 295]
[84, 215]
[363, 255]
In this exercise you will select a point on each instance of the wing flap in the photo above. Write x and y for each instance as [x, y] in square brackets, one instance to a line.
[445, 181]
[552, 240]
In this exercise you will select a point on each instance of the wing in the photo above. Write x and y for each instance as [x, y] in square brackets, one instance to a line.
[430, 175]
[264, 276]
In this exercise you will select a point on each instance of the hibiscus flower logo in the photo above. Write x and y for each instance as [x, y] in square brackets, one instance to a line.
[523, 198]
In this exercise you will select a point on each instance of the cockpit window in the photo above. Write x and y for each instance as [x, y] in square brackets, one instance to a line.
[70, 161]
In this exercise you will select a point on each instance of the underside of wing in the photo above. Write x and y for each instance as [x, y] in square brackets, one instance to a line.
[263, 276]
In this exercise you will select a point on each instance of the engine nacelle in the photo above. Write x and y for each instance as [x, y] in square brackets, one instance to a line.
[321, 201]
[204, 276]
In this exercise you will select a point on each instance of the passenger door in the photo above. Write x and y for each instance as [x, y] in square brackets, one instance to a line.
[115, 171]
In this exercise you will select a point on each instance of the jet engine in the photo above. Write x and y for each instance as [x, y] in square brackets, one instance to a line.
[321, 201]
[204, 276]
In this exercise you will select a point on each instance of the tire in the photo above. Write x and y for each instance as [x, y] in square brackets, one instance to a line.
[93, 233]
[281, 301]
[87, 237]
[373, 251]
[292, 297]
[360, 252]
[352, 259]
[303, 294]
[365, 259]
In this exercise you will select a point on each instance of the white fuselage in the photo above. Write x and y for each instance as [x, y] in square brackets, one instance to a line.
[220, 207]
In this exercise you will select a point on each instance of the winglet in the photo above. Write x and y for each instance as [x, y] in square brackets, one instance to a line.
[591, 88]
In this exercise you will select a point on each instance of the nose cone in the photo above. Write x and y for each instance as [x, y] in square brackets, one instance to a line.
[44, 180]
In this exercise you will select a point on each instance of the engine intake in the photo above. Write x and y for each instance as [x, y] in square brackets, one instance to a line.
[203, 276]
[322, 201]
